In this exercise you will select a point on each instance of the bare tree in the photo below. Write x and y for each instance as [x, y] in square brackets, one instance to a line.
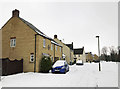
[112, 50]
[113, 53]
[104, 50]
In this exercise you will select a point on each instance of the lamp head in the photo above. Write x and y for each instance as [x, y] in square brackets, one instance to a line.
[97, 36]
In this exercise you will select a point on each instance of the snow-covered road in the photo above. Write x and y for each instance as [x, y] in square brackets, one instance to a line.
[78, 76]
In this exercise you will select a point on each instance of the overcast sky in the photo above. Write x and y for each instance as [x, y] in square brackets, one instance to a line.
[77, 22]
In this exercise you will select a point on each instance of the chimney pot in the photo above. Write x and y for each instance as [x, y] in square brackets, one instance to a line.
[55, 36]
[15, 13]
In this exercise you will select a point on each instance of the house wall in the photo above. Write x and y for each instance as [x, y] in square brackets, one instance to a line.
[84, 56]
[89, 57]
[40, 50]
[72, 56]
[81, 56]
[25, 44]
[66, 51]
[25, 41]
[0, 43]
[95, 57]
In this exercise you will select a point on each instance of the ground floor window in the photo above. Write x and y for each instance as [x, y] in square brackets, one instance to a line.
[32, 57]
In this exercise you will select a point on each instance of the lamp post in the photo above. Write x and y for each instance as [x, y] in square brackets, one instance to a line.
[99, 52]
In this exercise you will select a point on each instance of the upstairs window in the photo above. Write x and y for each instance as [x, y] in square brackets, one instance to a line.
[51, 46]
[12, 41]
[44, 43]
[48, 47]
[60, 49]
[56, 47]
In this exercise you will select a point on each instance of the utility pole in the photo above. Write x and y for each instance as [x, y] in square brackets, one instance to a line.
[99, 52]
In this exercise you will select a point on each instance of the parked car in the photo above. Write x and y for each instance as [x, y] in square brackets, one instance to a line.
[60, 66]
[79, 62]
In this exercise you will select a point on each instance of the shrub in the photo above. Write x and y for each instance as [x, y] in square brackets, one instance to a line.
[45, 64]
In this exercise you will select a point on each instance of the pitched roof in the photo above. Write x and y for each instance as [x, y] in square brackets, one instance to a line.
[88, 53]
[70, 46]
[38, 31]
[78, 51]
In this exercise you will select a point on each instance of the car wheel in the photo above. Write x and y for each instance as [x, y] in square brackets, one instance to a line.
[68, 70]
[65, 71]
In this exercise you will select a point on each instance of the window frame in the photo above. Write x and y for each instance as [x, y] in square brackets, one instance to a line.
[44, 43]
[13, 42]
[51, 46]
[32, 54]
[60, 49]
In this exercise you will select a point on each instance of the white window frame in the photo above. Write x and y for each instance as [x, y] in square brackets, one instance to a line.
[56, 47]
[31, 57]
[44, 43]
[12, 42]
[60, 49]
[51, 46]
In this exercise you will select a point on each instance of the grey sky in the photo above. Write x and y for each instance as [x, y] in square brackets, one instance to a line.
[77, 22]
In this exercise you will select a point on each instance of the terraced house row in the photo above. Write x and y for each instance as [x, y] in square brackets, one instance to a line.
[22, 40]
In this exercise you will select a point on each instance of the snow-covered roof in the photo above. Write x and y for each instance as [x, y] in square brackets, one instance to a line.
[38, 31]
[55, 43]
[78, 50]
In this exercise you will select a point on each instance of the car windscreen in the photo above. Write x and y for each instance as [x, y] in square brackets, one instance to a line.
[58, 63]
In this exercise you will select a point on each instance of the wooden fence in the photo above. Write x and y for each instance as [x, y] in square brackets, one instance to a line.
[11, 66]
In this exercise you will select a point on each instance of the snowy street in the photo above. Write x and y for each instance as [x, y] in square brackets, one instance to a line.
[78, 76]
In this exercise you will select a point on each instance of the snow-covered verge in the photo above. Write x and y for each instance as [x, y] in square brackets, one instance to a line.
[78, 76]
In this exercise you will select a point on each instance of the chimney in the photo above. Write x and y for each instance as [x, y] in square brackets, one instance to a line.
[72, 43]
[15, 13]
[55, 36]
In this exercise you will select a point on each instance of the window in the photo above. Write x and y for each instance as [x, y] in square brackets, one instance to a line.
[44, 43]
[32, 57]
[51, 46]
[48, 47]
[60, 49]
[13, 42]
[56, 47]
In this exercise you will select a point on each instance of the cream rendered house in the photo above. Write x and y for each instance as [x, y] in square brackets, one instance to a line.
[79, 54]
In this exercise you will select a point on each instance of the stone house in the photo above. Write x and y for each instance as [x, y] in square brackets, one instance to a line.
[22, 40]
[89, 57]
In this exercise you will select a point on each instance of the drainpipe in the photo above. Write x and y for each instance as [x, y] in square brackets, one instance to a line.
[54, 52]
[35, 54]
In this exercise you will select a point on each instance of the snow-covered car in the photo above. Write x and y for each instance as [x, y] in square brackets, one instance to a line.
[60, 66]
[79, 62]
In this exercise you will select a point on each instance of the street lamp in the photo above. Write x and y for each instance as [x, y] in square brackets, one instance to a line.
[99, 52]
